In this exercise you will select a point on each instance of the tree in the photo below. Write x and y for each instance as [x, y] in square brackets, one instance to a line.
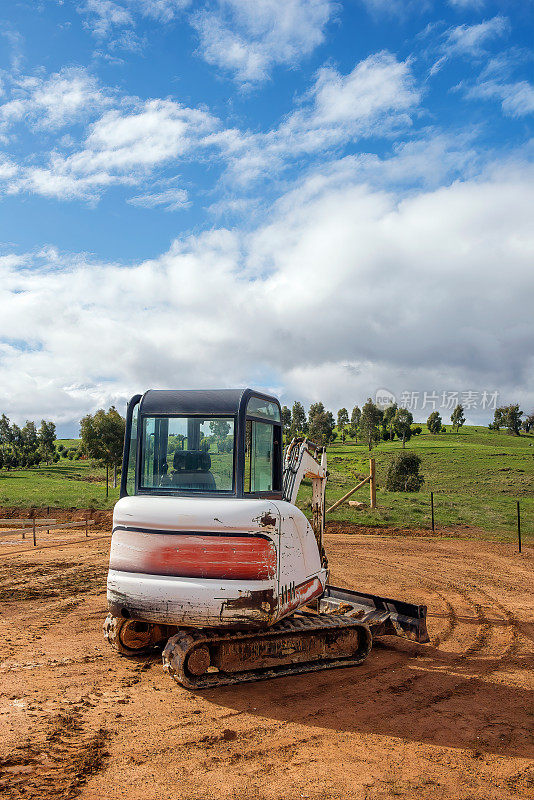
[299, 425]
[457, 417]
[402, 422]
[507, 417]
[433, 423]
[498, 420]
[47, 439]
[513, 419]
[369, 423]
[355, 418]
[29, 445]
[342, 421]
[320, 424]
[102, 438]
[387, 421]
[286, 419]
[5, 432]
[528, 423]
[220, 429]
[403, 473]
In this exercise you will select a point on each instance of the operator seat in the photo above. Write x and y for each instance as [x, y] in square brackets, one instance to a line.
[191, 470]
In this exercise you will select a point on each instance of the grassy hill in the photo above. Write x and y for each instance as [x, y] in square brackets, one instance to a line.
[476, 476]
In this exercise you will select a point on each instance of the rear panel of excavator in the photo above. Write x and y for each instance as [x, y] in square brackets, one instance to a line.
[209, 556]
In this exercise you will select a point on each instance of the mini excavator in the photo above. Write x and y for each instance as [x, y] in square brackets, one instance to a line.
[212, 560]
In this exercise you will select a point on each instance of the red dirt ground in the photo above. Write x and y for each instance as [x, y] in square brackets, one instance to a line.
[450, 720]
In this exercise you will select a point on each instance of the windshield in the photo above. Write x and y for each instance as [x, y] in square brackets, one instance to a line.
[187, 454]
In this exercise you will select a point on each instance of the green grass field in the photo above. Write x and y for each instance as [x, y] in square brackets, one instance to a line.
[68, 484]
[476, 476]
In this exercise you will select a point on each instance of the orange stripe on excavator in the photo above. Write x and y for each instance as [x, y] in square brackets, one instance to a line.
[194, 556]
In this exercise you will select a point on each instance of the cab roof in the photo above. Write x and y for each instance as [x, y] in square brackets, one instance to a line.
[190, 402]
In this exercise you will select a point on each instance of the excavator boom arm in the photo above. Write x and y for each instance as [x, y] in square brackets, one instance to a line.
[304, 459]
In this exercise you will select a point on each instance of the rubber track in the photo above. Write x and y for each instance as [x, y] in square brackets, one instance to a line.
[178, 647]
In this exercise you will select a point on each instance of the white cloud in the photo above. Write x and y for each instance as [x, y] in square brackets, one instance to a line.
[8, 169]
[65, 97]
[249, 39]
[517, 99]
[470, 39]
[168, 199]
[105, 16]
[496, 82]
[464, 5]
[395, 8]
[128, 142]
[121, 147]
[376, 98]
[345, 288]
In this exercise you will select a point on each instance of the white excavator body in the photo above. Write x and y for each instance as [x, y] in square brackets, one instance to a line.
[211, 562]
[210, 554]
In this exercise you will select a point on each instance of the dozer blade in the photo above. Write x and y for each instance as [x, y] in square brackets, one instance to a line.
[385, 617]
[302, 643]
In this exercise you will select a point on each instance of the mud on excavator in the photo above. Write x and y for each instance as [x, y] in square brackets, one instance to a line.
[210, 557]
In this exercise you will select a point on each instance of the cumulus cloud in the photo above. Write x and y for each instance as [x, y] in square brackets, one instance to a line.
[249, 39]
[65, 97]
[376, 98]
[133, 138]
[344, 289]
[121, 146]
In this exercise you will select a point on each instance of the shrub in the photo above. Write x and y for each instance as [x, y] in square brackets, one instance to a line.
[417, 430]
[403, 474]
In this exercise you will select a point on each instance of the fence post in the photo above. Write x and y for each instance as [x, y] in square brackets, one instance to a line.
[33, 529]
[518, 526]
[373, 482]
[432, 507]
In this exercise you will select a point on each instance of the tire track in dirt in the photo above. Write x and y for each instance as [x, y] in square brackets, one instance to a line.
[55, 763]
[376, 687]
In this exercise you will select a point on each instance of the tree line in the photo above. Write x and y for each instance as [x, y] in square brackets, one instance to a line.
[27, 446]
[371, 424]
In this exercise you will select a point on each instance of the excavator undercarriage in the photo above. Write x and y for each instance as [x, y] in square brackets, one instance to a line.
[337, 632]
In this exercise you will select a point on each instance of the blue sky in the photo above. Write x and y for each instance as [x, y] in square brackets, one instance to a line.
[319, 198]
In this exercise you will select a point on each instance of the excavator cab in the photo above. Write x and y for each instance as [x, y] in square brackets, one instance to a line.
[214, 443]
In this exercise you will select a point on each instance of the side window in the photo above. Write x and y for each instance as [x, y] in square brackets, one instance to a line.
[132, 453]
[147, 470]
[258, 457]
